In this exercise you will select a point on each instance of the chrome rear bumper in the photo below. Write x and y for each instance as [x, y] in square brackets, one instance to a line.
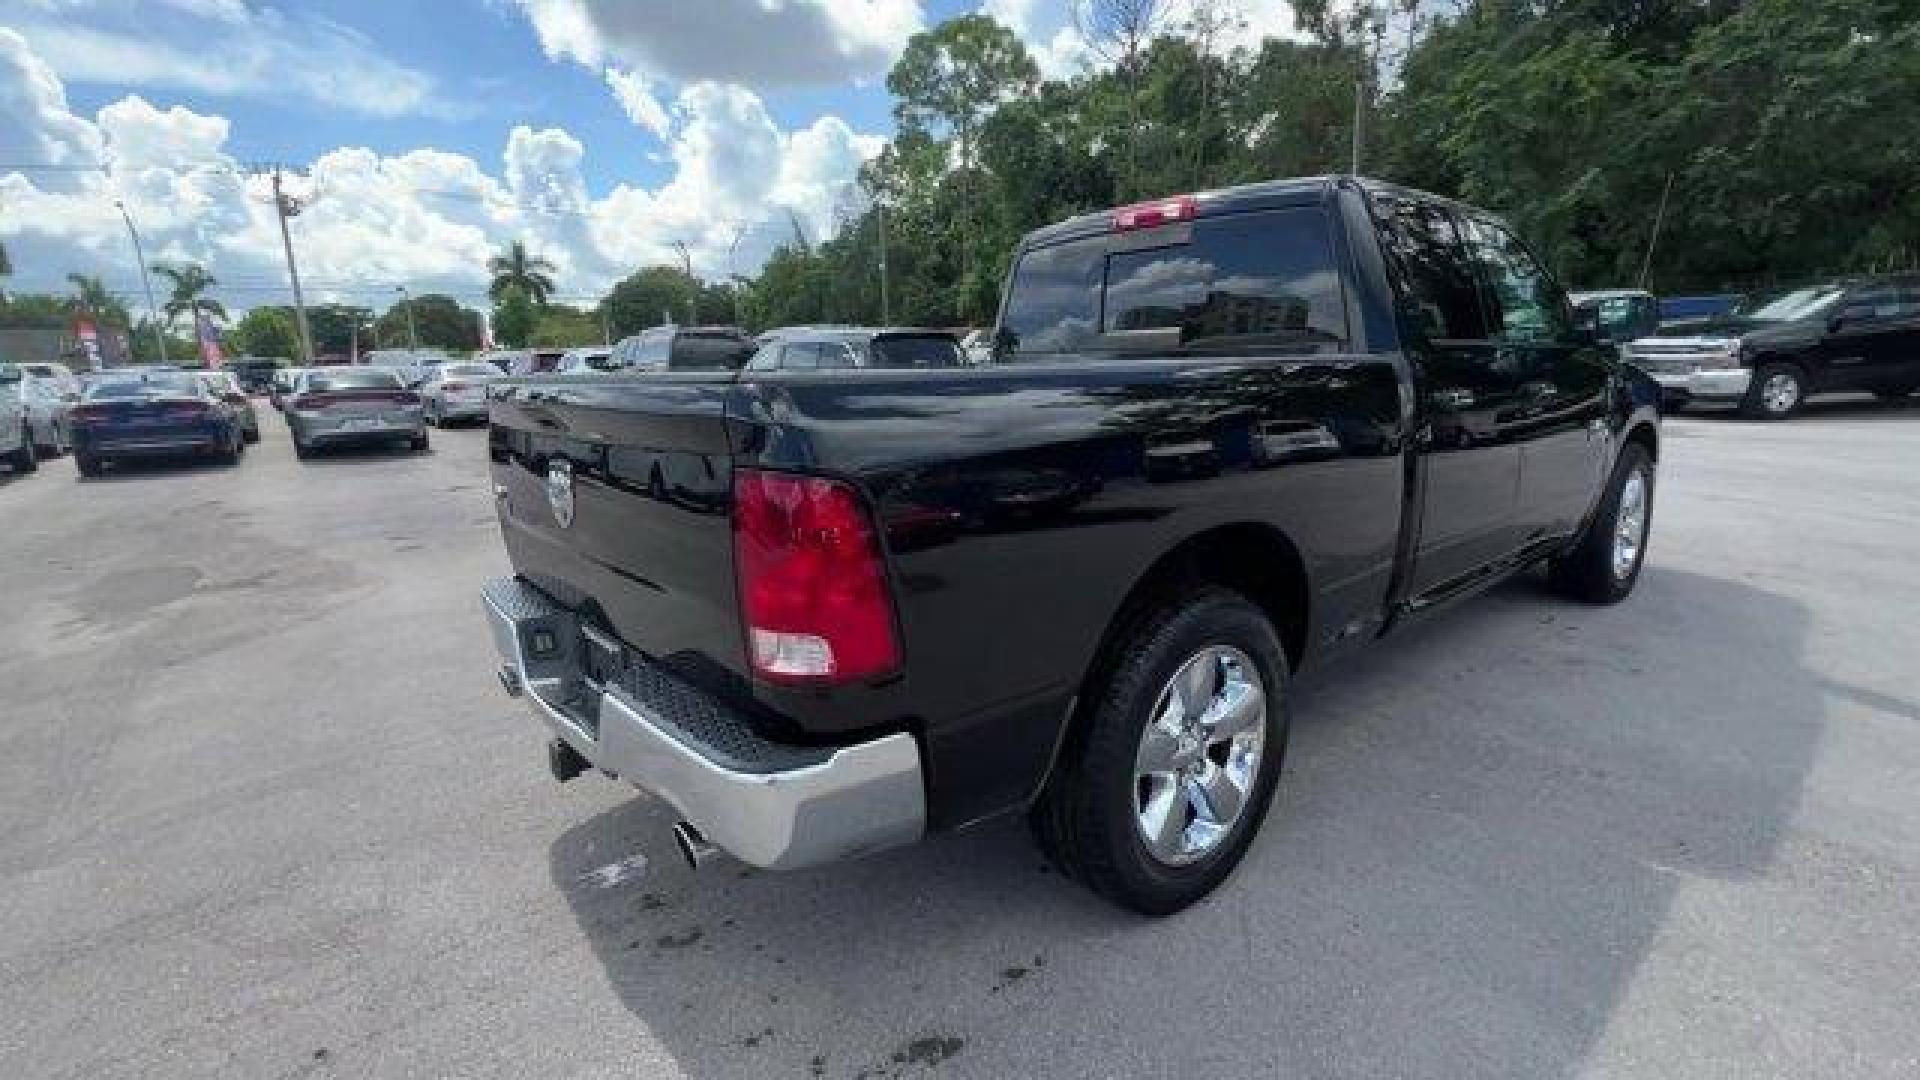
[768, 804]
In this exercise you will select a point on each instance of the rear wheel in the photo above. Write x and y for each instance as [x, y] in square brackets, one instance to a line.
[1604, 565]
[251, 434]
[433, 417]
[1775, 393]
[88, 464]
[419, 441]
[24, 459]
[1156, 800]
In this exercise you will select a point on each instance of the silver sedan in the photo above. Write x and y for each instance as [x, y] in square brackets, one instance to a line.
[455, 392]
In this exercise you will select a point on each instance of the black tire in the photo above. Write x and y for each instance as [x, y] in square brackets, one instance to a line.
[228, 453]
[433, 417]
[1587, 572]
[251, 434]
[419, 442]
[1762, 405]
[301, 450]
[1085, 820]
[88, 464]
[24, 458]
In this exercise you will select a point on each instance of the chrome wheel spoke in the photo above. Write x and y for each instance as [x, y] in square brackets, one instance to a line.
[1216, 795]
[1163, 820]
[1195, 685]
[1159, 750]
[1240, 707]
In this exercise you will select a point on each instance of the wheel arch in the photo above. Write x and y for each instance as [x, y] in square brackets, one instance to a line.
[1252, 558]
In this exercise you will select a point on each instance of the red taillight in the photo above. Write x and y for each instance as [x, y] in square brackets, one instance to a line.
[813, 588]
[309, 401]
[453, 386]
[406, 397]
[1147, 215]
[87, 413]
[235, 399]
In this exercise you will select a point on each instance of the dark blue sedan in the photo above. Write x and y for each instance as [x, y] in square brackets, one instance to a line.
[152, 414]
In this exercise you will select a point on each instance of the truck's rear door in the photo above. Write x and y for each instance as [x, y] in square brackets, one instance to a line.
[613, 499]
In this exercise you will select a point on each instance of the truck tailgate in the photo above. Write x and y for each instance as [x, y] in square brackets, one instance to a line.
[613, 498]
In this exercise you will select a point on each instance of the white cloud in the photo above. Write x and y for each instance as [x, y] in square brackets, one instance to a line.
[224, 48]
[426, 218]
[1048, 29]
[756, 42]
[631, 90]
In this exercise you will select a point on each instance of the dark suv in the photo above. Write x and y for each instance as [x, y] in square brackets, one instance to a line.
[1775, 349]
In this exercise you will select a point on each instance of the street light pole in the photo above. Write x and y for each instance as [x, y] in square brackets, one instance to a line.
[413, 332]
[284, 207]
[153, 312]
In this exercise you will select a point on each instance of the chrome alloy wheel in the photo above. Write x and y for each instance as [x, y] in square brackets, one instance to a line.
[1630, 525]
[1780, 393]
[1199, 755]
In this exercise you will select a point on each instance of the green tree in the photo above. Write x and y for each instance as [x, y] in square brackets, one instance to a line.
[338, 328]
[950, 78]
[649, 297]
[516, 269]
[265, 331]
[563, 327]
[91, 300]
[440, 321]
[514, 318]
[187, 292]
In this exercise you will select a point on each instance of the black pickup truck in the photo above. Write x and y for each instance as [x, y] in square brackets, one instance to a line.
[1222, 438]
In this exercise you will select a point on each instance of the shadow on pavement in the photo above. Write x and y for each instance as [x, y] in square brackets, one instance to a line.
[1482, 828]
[135, 469]
[1851, 408]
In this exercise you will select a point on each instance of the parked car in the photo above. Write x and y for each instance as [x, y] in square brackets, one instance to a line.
[255, 373]
[410, 366]
[856, 347]
[822, 616]
[341, 406]
[152, 414]
[1775, 349]
[16, 431]
[533, 361]
[684, 348]
[45, 404]
[1619, 315]
[1680, 308]
[978, 346]
[455, 392]
[282, 385]
[61, 375]
[226, 386]
[577, 360]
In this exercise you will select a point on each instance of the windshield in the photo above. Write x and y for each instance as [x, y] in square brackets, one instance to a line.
[1787, 305]
[157, 385]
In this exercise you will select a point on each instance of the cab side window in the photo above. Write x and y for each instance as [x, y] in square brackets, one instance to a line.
[1523, 303]
[1441, 299]
[801, 355]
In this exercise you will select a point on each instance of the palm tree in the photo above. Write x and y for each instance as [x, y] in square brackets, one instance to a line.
[91, 298]
[189, 283]
[517, 270]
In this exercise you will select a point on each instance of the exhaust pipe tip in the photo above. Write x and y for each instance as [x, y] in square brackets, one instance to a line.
[694, 847]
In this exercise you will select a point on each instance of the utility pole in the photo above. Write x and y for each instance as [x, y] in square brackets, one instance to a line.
[413, 332]
[886, 309]
[287, 206]
[1660, 215]
[153, 312]
[1359, 112]
[693, 288]
[733, 276]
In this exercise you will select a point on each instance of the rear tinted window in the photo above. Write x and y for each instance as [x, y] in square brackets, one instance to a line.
[706, 352]
[930, 351]
[469, 371]
[152, 386]
[365, 379]
[1245, 281]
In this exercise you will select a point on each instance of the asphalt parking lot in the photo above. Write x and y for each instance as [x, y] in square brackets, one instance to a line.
[264, 812]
